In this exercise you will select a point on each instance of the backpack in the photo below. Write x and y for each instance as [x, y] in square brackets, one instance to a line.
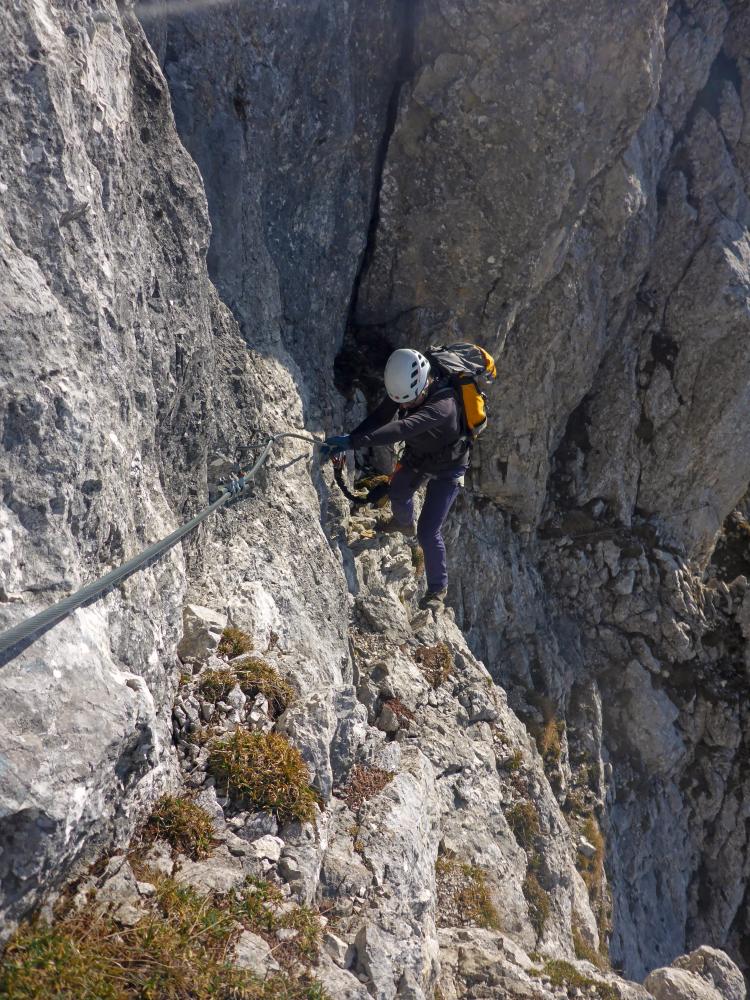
[465, 365]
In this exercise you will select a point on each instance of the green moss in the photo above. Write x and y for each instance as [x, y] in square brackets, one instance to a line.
[234, 642]
[537, 898]
[255, 676]
[183, 824]
[523, 820]
[264, 771]
[515, 762]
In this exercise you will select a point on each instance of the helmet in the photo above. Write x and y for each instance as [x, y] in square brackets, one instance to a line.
[406, 374]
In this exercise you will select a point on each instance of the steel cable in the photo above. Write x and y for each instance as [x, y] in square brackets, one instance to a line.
[44, 620]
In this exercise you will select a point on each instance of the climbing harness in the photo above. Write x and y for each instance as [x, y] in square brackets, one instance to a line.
[229, 493]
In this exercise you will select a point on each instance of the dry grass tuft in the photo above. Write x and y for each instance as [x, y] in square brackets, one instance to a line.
[566, 976]
[185, 826]
[523, 820]
[179, 950]
[587, 952]
[549, 741]
[255, 676]
[537, 898]
[262, 909]
[264, 771]
[399, 709]
[436, 662]
[215, 685]
[463, 897]
[234, 642]
[364, 783]
[592, 873]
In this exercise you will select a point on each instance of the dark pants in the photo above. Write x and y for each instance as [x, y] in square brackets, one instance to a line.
[441, 492]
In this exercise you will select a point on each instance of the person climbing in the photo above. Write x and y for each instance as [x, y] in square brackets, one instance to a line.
[422, 409]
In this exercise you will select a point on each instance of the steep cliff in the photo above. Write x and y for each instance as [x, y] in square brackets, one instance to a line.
[569, 188]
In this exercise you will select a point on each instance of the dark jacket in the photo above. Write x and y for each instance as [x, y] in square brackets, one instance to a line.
[436, 441]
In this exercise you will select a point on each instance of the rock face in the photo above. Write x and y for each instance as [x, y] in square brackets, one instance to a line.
[285, 116]
[556, 764]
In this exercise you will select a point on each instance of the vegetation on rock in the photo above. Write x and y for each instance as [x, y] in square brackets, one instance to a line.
[436, 662]
[185, 826]
[523, 820]
[264, 910]
[255, 676]
[592, 873]
[215, 685]
[264, 771]
[181, 948]
[563, 974]
[364, 783]
[537, 898]
[463, 896]
[234, 642]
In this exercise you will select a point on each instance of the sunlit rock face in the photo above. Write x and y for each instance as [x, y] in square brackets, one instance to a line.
[567, 187]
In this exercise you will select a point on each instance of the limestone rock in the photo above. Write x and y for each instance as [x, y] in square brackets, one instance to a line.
[252, 953]
[568, 186]
[201, 632]
[704, 974]
[215, 874]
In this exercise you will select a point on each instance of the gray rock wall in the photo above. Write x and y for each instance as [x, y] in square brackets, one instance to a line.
[568, 188]
[284, 107]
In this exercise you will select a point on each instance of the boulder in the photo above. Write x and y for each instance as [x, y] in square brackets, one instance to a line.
[201, 632]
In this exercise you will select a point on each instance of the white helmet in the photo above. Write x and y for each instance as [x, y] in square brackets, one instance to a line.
[406, 374]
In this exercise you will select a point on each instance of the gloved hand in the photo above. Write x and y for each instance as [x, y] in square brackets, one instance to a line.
[333, 445]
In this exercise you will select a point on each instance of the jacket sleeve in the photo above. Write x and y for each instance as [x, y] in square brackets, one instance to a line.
[433, 416]
[385, 411]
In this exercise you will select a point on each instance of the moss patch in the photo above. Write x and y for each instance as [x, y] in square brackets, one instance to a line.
[463, 896]
[264, 771]
[364, 783]
[185, 826]
[234, 642]
[436, 663]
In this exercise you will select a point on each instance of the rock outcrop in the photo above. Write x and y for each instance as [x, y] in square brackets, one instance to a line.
[552, 768]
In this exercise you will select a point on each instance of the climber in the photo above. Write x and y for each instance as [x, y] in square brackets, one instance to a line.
[423, 411]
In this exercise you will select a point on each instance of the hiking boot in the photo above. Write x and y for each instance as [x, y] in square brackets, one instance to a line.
[433, 600]
[392, 527]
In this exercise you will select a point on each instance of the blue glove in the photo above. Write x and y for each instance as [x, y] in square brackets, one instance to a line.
[333, 445]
